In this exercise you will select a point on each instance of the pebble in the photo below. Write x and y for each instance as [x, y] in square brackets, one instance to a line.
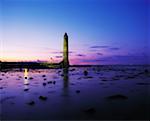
[85, 73]
[31, 103]
[42, 97]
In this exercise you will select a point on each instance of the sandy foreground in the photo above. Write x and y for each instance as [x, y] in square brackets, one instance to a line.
[107, 92]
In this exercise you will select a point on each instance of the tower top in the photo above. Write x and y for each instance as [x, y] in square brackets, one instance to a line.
[65, 35]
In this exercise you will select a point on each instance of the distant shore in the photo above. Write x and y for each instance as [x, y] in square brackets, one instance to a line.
[44, 65]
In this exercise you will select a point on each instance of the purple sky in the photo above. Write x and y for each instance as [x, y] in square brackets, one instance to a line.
[100, 31]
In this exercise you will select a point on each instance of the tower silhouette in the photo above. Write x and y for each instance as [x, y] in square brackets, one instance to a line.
[65, 52]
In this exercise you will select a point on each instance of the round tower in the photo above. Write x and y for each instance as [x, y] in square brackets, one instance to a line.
[65, 52]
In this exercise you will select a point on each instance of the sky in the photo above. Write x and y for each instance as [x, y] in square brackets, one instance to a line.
[100, 31]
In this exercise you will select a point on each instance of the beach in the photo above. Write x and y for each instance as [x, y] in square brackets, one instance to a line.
[95, 93]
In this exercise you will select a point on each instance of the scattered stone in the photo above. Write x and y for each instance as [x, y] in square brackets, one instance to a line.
[90, 110]
[31, 103]
[77, 91]
[88, 77]
[104, 80]
[72, 69]
[49, 82]
[59, 71]
[1, 87]
[146, 71]
[143, 83]
[42, 97]
[31, 78]
[43, 75]
[26, 89]
[85, 73]
[117, 97]
[25, 77]
[62, 75]
[54, 82]
[3, 74]
[0, 79]
[20, 77]
[45, 79]
[72, 84]
[44, 84]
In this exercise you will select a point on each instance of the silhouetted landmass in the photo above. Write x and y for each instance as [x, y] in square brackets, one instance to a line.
[32, 65]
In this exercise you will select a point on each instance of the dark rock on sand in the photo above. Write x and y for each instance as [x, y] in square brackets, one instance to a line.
[72, 69]
[88, 77]
[25, 77]
[77, 91]
[117, 97]
[1, 87]
[90, 110]
[31, 103]
[49, 82]
[44, 84]
[45, 79]
[42, 98]
[26, 89]
[146, 71]
[31, 78]
[85, 73]
[43, 75]
[54, 82]
[143, 83]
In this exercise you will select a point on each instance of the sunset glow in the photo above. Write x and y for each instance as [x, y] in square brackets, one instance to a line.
[100, 32]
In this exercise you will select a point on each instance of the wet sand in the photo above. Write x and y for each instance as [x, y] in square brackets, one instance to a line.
[107, 92]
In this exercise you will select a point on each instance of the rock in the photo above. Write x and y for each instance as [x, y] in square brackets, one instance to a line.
[85, 73]
[43, 75]
[77, 91]
[31, 78]
[44, 84]
[26, 89]
[20, 77]
[62, 75]
[25, 77]
[1, 87]
[45, 79]
[90, 110]
[143, 83]
[88, 77]
[49, 82]
[104, 80]
[31, 103]
[59, 71]
[72, 69]
[42, 97]
[54, 82]
[117, 97]
[146, 71]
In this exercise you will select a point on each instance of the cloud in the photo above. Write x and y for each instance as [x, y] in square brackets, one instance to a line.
[99, 46]
[114, 48]
[58, 56]
[96, 60]
[60, 52]
[81, 55]
[99, 53]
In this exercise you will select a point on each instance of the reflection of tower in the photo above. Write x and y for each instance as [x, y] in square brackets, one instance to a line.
[65, 52]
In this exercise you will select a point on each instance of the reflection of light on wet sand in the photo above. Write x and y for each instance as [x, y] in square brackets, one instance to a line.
[26, 81]
[25, 72]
